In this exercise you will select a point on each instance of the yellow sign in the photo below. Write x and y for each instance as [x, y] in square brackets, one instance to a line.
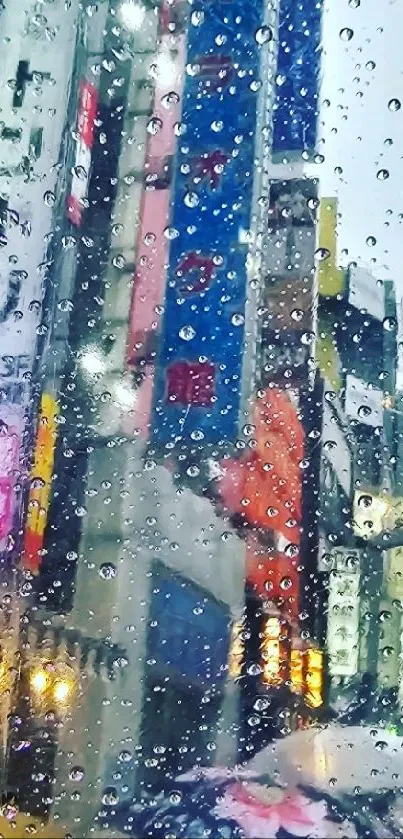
[327, 357]
[314, 678]
[271, 652]
[331, 279]
[41, 482]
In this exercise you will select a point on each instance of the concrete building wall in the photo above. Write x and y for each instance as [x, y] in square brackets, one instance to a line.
[144, 518]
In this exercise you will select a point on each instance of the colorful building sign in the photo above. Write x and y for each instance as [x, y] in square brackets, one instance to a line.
[197, 387]
[41, 480]
[87, 111]
[297, 81]
[331, 278]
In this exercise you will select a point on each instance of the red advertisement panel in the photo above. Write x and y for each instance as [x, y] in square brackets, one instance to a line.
[86, 115]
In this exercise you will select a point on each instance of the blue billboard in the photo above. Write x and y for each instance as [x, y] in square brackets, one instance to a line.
[198, 375]
[188, 630]
[298, 75]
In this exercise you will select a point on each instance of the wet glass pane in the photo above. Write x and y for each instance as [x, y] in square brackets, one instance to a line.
[201, 517]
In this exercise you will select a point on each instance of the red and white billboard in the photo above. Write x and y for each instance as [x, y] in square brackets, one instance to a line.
[87, 111]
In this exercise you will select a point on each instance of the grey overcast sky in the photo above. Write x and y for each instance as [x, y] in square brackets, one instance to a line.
[360, 135]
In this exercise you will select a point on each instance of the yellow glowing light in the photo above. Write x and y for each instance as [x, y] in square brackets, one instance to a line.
[271, 651]
[62, 690]
[39, 680]
[314, 678]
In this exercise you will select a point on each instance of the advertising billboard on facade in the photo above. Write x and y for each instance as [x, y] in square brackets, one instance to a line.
[296, 101]
[289, 264]
[20, 317]
[189, 631]
[366, 293]
[343, 612]
[336, 449]
[86, 116]
[41, 483]
[331, 278]
[197, 386]
[153, 232]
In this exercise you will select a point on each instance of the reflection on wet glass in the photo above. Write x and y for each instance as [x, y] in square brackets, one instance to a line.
[200, 419]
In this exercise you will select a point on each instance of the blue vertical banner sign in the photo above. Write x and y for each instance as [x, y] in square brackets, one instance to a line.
[198, 376]
[298, 76]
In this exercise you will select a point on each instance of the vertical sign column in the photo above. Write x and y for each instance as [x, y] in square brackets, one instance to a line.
[197, 388]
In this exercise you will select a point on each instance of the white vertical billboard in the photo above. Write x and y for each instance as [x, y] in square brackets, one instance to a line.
[343, 612]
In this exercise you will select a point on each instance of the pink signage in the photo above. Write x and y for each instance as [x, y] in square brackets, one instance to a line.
[153, 234]
[11, 430]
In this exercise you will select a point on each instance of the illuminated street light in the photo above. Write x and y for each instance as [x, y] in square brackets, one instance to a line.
[132, 15]
[52, 682]
[39, 680]
[62, 690]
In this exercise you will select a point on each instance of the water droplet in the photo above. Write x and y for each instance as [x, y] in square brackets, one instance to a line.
[171, 98]
[76, 773]
[382, 174]
[191, 199]
[187, 333]
[394, 104]
[175, 797]
[237, 319]
[119, 261]
[261, 704]
[354, 4]
[380, 745]
[263, 35]
[371, 241]
[389, 324]
[65, 305]
[321, 254]
[197, 17]
[110, 797]
[286, 583]
[291, 550]
[346, 33]
[365, 501]
[80, 173]
[154, 125]
[80, 512]
[364, 411]
[107, 571]
[171, 233]
[49, 198]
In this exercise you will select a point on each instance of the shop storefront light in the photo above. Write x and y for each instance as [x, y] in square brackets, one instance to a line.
[314, 678]
[39, 680]
[62, 690]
